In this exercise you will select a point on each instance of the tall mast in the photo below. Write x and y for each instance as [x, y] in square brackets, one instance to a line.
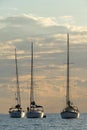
[17, 80]
[31, 90]
[67, 96]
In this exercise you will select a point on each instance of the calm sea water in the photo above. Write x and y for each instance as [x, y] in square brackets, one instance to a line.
[51, 122]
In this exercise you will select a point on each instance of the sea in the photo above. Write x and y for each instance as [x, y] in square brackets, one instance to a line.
[51, 122]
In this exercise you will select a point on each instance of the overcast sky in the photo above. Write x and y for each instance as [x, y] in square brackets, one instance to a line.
[46, 23]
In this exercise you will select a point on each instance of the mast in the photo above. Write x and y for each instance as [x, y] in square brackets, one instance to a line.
[31, 90]
[17, 80]
[67, 96]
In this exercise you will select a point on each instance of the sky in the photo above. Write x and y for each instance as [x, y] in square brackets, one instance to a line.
[46, 24]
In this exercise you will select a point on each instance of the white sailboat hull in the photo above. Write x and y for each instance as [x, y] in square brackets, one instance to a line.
[35, 114]
[69, 114]
[17, 114]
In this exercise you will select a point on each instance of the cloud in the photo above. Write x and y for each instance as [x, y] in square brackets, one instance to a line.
[28, 25]
[67, 19]
[50, 50]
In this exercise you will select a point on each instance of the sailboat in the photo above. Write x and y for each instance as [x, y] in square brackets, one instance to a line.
[70, 111]
[16, 111]
[35, 111]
